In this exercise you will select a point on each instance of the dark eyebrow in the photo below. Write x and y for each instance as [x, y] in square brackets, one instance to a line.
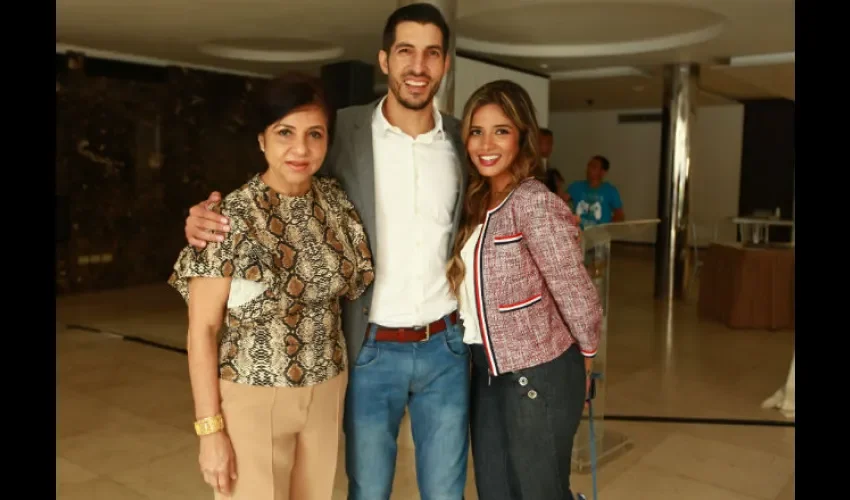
[408, 45]
[504, 125]
[314, 127]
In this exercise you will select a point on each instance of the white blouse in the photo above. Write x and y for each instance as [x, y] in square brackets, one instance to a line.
[468, 310]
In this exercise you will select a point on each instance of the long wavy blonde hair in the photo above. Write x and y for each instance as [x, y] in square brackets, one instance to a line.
[515, 102]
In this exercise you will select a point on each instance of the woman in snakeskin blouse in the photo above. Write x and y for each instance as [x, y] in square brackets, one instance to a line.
[269, 394]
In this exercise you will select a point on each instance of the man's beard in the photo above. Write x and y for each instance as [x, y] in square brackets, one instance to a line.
[414, 106]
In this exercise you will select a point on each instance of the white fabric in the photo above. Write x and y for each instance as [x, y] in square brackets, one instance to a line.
[416, 187]
[468, 312]
[244, 291]
[785, 398]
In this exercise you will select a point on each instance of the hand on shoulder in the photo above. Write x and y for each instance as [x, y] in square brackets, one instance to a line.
[204, 224]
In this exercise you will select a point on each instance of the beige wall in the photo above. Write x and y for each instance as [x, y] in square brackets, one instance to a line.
[471, 74]
[635, 154]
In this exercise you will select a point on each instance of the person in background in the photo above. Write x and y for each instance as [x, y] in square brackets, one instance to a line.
[555, 182]
[530, 311]
[269, 394]
[595, 200]
[551, 176]
[546, 143]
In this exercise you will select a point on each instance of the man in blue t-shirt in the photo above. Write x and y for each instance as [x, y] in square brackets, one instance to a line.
[594, 200]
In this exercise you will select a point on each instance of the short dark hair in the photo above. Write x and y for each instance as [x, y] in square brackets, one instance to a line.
[546, 132]
[288, 92]
[422, 13]
[602, 161]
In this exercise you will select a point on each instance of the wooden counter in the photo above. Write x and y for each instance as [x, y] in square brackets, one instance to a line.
[748, 287]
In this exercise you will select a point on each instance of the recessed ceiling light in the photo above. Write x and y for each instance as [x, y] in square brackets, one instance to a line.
[609, 72]
[273, 50]
[763, 59]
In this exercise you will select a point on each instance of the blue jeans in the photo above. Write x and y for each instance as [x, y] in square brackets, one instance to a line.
[431, 378]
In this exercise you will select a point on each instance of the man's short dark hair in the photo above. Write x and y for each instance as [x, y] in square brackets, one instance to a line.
[422, 13]
[546, 132]
[603, 161]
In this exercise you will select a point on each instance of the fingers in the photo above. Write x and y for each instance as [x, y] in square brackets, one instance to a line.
[203, 210]
[202, 213]
[198, 237]
[196, 242]
[206, 224]
[200, 229]
[221, 481]
[223, 478]
[211, 478]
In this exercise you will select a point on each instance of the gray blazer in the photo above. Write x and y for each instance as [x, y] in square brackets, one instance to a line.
[350, 160]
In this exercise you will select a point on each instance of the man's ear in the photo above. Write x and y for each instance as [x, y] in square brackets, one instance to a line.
[383, 61]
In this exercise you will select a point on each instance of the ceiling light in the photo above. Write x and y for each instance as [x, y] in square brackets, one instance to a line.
[268, 51]
[584, 50]
[763, 59]
[609, 72]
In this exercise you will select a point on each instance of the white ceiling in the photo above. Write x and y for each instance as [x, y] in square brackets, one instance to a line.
[547, 36]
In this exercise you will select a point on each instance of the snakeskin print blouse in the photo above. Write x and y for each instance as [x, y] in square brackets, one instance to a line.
[291, 260]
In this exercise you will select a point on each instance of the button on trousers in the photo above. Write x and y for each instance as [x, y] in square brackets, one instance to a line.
[523, 425]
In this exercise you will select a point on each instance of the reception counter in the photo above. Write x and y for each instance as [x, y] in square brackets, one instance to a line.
[748, 286]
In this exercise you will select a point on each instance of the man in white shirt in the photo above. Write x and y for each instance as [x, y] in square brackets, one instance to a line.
[399, 161]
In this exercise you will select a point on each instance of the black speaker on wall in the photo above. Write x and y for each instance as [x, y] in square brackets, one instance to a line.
[349, 83]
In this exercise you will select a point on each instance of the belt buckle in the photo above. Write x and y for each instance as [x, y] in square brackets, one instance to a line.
[427, 333]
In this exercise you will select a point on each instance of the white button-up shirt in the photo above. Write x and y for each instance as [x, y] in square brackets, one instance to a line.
[416, 187]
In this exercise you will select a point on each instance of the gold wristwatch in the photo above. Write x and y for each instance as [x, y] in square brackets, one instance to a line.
[209, 425]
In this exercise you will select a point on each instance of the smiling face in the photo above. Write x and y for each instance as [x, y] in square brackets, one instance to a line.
[295, 147]
[415, 64]
[493, 145]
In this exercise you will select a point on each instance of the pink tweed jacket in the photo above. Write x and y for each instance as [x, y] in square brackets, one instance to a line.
[533, 294]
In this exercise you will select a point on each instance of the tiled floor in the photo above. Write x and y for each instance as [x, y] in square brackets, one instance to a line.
[125, 409]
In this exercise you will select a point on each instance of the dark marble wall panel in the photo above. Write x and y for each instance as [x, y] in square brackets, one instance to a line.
[132, 155]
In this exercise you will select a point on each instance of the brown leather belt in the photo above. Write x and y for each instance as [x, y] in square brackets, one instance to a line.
[421, 334]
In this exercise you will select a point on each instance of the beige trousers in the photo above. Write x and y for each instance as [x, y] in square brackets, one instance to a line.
[286, 439]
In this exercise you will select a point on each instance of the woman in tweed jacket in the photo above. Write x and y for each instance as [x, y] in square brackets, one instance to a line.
[531, 313]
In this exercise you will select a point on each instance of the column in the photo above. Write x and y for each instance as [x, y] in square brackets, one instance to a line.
[679, 113]
[444, 100]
